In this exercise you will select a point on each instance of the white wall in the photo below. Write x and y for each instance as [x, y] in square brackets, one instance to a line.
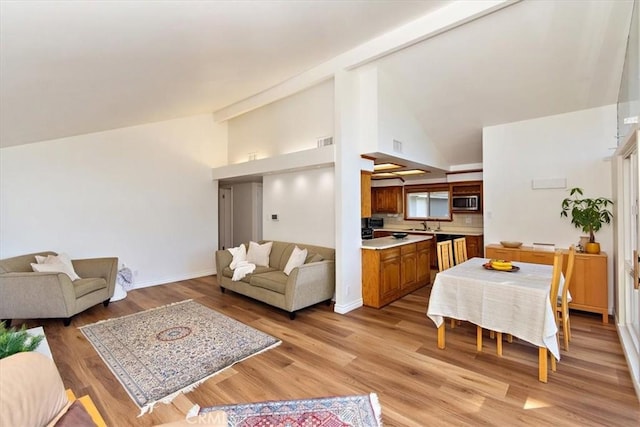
[304, 203]
[574, 146]
[141, 193]
[289, 125]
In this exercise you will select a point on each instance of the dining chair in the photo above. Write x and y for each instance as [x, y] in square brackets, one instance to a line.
[564, 298]
[445, 255]
[553, 292]
[460, 249]
[445, 261]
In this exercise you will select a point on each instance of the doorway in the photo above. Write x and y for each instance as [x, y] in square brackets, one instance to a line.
[225, 218]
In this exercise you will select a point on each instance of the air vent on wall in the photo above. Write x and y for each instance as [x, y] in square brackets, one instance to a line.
[324, 141]
[397, 146]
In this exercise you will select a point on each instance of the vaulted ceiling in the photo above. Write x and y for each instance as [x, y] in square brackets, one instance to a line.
[69, 68]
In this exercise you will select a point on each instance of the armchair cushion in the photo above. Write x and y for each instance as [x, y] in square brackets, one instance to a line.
[83, 287]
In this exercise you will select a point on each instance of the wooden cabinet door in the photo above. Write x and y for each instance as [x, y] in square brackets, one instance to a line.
[386, 199]
[408, 266]
[365, 194]
[474, 246]
[389, 278]
[423, 259]
[588, 285]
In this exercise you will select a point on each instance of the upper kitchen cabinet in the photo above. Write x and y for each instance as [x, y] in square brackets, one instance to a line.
[428, 202]
[386, 200]
[365, 194]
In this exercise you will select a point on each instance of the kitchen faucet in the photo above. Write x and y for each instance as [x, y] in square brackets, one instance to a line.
[424, 225]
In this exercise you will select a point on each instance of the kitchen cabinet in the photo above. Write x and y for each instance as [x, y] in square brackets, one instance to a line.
[475, 246]
[408, 266]
[433, 255]
[365, 194]
[390, 274]
[386, 200]
[424, 262]
[588, 287]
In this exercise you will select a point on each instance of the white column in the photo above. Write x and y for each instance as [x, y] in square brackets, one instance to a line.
[347, 193]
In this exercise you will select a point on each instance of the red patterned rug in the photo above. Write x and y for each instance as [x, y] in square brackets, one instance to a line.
[347, 411]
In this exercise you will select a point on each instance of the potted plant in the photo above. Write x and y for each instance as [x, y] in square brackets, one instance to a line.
[12, 341]
[588, 215]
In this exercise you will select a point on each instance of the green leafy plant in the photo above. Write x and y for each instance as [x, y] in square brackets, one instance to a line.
[586, 214]
[12, 341]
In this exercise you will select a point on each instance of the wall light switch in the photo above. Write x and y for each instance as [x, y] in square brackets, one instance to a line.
[274, 217]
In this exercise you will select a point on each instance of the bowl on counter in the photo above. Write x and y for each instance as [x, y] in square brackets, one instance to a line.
[399, 235]
[510, 244]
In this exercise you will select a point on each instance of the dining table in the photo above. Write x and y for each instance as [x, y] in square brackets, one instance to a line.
[514, 302]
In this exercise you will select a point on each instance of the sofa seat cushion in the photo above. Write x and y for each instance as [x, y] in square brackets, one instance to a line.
[275, 281]
[227, 272]
[83, 287]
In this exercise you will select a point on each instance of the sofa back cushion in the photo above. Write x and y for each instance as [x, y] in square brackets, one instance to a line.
[281, 251]
[22, 263]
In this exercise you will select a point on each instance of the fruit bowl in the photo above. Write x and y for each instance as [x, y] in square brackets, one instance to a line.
[399, 235]
[509, 244]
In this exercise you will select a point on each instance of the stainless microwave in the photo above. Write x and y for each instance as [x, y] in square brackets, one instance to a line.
[465, 203]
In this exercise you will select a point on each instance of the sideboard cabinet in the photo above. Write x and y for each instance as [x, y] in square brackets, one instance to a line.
[588, 287]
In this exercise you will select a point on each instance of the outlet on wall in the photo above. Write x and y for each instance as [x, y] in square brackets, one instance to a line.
[467, 220]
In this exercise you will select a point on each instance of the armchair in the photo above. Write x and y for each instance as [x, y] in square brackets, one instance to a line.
[25, 294]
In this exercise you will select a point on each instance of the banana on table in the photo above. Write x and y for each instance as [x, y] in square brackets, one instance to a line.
[500, 264]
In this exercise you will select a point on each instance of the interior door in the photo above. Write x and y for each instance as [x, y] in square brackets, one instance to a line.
[225, 218]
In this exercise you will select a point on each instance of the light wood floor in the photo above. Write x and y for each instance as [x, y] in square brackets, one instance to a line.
[391, 351]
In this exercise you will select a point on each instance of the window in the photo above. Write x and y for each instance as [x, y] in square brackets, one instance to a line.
[427, 202]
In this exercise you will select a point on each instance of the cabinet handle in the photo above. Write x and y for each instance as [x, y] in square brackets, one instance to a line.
[636, 270]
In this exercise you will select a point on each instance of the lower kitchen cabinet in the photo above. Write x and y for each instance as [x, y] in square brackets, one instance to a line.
[389, 274]
[475, 246]
[588, 287]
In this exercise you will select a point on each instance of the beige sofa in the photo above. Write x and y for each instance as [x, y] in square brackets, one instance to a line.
[309, 284]
[25, 294]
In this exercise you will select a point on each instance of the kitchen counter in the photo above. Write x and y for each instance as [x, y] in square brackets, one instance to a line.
[392, 242]
[460, 231]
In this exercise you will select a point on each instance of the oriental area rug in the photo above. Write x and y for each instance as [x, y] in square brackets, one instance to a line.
[346, 411]
[160, 353]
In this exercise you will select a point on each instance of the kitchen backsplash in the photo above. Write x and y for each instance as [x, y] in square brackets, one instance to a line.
[472, 221]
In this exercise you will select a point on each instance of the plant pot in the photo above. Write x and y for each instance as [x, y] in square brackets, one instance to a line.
[592, 248]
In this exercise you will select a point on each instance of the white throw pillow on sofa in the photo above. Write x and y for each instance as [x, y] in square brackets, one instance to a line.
[62, 261]
[259, 254]
[239, 254]
[297, 258]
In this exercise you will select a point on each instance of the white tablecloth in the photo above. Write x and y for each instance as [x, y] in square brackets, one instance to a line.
[510, 302]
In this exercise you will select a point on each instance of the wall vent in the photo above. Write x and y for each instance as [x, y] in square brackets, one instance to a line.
[324, 141]
[397, 146]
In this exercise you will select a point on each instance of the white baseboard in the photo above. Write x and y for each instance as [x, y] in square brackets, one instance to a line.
[176, 278]
[345, 308]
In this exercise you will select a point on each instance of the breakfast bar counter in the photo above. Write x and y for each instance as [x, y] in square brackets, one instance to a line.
[391, 242]
[393, 268]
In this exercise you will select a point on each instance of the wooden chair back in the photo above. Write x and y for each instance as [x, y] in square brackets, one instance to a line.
[555, 279]
[571, 258]
[460, 249]
[445, 255]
